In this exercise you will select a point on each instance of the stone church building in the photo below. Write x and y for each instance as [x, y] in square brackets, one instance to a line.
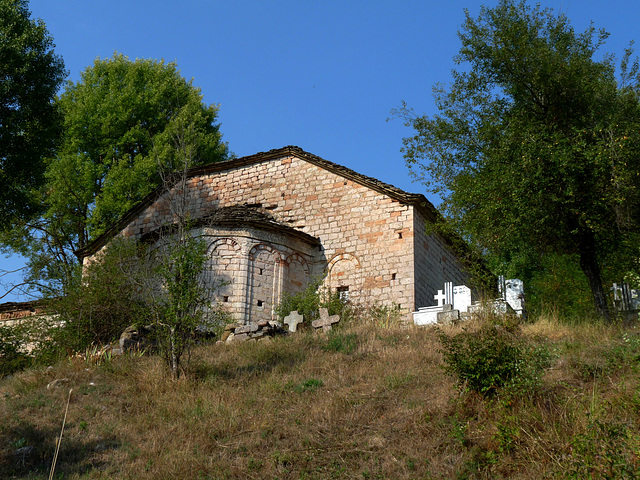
[277, 220]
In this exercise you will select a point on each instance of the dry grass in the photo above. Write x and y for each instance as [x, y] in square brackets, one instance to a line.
[368, 402]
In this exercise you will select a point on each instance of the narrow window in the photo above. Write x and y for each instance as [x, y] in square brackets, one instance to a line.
[225, 299]
[399, 234]
[343, 293]
[260, 273]
[259, 303]
[393, 276]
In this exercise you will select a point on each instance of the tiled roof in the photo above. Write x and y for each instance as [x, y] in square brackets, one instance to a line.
[246, 216]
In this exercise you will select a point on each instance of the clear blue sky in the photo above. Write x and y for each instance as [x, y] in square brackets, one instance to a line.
[322, 75]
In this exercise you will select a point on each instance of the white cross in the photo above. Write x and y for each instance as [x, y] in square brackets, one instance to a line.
[293, 319]
[440, 298]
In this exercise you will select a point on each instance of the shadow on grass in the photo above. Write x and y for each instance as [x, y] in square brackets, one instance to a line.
[253, 359]
[28, 453]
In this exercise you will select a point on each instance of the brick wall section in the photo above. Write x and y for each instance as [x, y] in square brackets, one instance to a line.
[435, 264]
[17, 310]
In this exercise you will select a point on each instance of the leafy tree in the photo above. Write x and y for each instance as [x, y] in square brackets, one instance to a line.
[536, 144]
[29, 126]
[176, 294]
[180, 300]
[120, 125]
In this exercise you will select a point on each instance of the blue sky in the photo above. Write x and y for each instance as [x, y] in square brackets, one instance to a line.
[322, 75]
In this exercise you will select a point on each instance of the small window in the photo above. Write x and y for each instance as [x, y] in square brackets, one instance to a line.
[393, 276]
[225, 299]
[399, 234]
[343, 293]
[260, 272]
[259, 303]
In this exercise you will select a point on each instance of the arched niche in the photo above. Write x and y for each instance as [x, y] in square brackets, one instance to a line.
[297, 274]
[263, 281]
[344, 275]
[223, 269]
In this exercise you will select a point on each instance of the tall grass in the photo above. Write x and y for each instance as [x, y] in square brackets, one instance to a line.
[370, 400]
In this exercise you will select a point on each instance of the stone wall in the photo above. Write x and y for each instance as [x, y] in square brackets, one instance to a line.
[435, 264]
[367, 239]
[250, 269]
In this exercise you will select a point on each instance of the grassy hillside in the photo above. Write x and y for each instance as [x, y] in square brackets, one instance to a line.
[365, 402]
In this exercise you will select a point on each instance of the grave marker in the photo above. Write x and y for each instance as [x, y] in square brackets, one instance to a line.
[293, 319]
[325, 321]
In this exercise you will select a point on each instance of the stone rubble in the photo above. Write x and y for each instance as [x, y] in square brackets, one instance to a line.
[262, 330]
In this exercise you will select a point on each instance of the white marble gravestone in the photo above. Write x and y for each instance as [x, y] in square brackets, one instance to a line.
[514, 294]
[461, 298]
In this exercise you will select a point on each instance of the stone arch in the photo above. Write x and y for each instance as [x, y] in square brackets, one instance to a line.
[223, 270]
[264, 281]
[344, 275]
[296, 276]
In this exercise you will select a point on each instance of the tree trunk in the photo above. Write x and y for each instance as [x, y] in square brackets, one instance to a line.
[591, 269]
[174, 358]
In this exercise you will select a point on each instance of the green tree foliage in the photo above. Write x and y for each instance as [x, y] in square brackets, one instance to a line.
[29, 123]
[119, 124]
[535, 148]
[124, 123]
[181, 300]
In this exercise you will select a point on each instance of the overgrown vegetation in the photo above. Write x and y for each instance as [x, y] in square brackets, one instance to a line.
[367, 401]
[107, 300]
[494, 357]
[179, 299]
[309, 301]
[13, 358]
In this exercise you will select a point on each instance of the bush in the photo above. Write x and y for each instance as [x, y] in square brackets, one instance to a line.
[309, 301]
[607, 449]
[12, 358]
[105, 301]
[493, 357]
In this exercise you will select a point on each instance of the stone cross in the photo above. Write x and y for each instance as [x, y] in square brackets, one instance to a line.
[293, 319]
[325, 320]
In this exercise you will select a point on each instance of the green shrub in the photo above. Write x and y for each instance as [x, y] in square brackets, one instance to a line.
[309, 301]
[607, 449]
[384, 315]
[493, 357]
[12, 358]
[104, 302]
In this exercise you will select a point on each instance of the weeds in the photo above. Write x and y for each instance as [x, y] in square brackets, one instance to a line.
[606, 450]
[307, 386]
[341, 342]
